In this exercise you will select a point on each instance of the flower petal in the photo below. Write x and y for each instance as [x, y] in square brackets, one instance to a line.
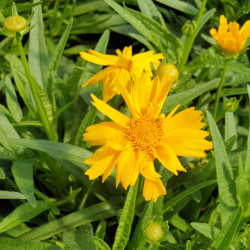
[168, 158]
[153, 189]
[113, 114]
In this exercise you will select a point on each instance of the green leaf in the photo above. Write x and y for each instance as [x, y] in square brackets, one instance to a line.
[230, 127]
[186, 193]
[85, 7]
[38, 53]
[224, 172]
[126, 219]
[206, 230]
[22, 213]
[146, 215]
[2, 174]
[22, 171]
[149, 9]
[96, 212]
[20, 8]
[227, 232]
[21, 88]
[16, 244]
[11, 195]
[101, 230]
[59, 150]
[80, 238]
[189, 95]
[55, 60]
[152, 30]
[12, 101]
[100, 244]
[181, 6]
[205, 18]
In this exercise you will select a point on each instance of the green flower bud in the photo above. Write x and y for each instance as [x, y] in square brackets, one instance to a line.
[188, 29]
[168, 68]
[231, 104]
[154, 232]
[15, 23]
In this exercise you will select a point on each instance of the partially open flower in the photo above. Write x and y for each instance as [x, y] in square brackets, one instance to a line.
[230, 37]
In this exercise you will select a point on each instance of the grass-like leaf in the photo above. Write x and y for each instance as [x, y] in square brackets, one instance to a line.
[224, 172]
[11, 195]
[126, 219]
[23, 174]
[96, 212]
[226, 234]
[206, 230]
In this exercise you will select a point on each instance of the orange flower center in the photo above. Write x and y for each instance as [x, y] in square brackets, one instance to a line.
[145, 133]
[124, 63]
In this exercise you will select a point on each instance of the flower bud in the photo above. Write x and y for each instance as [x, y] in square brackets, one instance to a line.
[188, 29]
[154, 232]
[231, 104]
[168, 68]
[15, 23]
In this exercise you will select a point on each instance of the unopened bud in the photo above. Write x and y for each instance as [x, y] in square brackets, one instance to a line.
[154, 232]
[231, 104]
[168, 68]
[15, 23]
[189, 27]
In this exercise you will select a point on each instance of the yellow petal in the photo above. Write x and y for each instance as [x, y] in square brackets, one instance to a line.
[153, 189]
[168, 158]
[95, 59]
[148, 170]
[113, 114]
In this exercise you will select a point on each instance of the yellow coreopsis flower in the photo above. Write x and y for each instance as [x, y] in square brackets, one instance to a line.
[131, 144]
[121, 68]
[230, 37]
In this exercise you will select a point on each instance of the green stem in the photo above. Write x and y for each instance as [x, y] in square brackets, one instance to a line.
[190, 40]
[86, 195]
[39, 105]
[217, 99]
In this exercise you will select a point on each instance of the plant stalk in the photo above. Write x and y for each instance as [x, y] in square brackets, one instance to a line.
[190, 40]
[39, 105]
[217, 99]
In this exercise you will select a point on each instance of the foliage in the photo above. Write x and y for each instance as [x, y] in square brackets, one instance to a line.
[46, 200]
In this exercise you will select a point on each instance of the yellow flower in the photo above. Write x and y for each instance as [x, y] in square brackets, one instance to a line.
[230, 38]
[121, 68]
[131, 144]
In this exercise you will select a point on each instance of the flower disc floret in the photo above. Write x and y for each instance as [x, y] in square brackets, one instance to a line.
[145, 133]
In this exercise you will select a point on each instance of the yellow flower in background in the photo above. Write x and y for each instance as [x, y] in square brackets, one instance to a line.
[131, 144]
[229, 36]
[121, 68]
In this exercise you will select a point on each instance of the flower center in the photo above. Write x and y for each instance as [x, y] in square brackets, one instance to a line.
[145, 133]
[125, 63]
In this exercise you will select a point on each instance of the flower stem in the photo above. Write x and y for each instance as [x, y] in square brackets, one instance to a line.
[222, 78]
[39, 105]
[190, 40]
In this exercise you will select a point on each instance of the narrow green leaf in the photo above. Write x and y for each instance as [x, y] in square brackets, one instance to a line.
[207, 15]
[230, 127]
[59, 150]
[21, 89]
[16, 244]
[149, 9]
[22, 213]
[2, 174]
[22, 171]
[12, 101]
[224, 172]
[186, 193]
[96, 212]
[189, 95]
[245, 182]
[206, 230]
[126, 219]
[6, 154]
[181, 6]
[11, 195]
[55, 60]
[101, 230]
[20, 8]
[80, 238]
[86, 7]
[226, 234]
[38, 53]
[100, 244]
